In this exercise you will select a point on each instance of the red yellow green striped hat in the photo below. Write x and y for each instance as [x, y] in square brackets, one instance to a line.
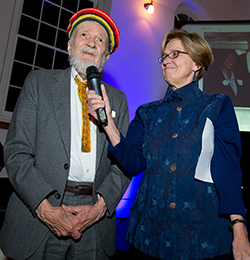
[97, 15]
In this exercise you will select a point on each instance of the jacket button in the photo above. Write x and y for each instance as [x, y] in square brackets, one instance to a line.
[172, 205]
[66, 166]
[57, 195]
[173, 167]
[174, 135]
[179, 109]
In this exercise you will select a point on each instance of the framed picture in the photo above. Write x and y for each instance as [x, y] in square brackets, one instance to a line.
[230, 71]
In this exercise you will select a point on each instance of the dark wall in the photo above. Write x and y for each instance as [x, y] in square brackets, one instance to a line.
[5, 192]
[245, 166]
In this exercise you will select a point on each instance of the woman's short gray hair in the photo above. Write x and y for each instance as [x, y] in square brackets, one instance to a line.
[195, 45]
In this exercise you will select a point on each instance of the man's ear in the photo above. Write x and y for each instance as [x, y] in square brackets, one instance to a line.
[107, 57]
[69, 47]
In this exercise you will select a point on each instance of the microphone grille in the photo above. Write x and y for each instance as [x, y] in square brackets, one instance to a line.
[92, 72]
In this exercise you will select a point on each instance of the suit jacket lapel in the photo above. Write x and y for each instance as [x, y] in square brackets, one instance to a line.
[101, 137]
[61, 100]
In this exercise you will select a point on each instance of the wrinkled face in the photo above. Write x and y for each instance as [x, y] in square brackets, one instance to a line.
[89, 46]
[229, 61]
[179, 71]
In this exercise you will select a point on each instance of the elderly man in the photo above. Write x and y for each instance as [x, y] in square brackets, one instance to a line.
[66, 185]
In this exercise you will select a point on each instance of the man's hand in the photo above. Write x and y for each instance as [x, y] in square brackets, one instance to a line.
[94, 102]
[57, 220]
[84, 216]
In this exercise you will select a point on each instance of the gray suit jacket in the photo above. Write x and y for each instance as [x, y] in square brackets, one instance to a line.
[37, 156]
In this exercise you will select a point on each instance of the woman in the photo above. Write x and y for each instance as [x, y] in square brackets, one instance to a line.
[222, 78]
[188, 145]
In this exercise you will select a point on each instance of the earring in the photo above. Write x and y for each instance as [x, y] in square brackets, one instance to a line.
[194, 77]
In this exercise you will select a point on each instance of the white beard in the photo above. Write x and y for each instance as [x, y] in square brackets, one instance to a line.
[82, 65]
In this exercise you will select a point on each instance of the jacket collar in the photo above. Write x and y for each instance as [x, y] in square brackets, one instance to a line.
[187, 93]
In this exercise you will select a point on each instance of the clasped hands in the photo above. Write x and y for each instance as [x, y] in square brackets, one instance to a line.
[70, 220]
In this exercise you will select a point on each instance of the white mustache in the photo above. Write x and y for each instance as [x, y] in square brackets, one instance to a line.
[87, 49]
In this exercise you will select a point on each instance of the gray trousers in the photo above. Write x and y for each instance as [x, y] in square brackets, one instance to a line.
[87, 247]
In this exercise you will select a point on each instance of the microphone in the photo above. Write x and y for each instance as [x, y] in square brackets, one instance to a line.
[93, 78]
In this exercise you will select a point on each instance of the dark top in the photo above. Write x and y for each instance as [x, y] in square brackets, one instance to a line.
[174, 215]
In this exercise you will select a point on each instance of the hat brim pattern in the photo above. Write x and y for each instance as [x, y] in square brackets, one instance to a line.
[99, 16]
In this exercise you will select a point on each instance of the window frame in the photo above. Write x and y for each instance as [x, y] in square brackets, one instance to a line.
[9, 42]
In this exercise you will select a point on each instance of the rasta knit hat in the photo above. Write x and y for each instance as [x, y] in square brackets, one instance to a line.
[99, 16]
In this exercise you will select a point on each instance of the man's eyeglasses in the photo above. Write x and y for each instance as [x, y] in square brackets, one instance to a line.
[172, 55]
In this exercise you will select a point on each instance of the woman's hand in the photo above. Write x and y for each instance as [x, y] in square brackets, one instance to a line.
[95, 101]
[241, 245]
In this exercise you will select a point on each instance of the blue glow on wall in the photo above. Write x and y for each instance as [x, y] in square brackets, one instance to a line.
[123, 208]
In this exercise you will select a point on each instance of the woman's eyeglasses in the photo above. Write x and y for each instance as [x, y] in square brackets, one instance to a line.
[172, 55]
